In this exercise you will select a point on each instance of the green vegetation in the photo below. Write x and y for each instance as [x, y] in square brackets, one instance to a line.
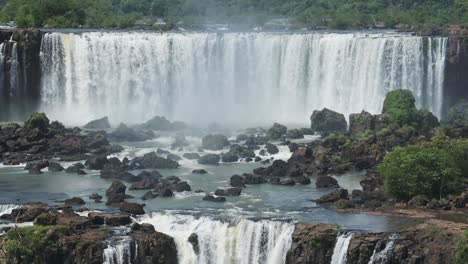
[435, 169]
[400, 108]
[461, 250]
[37, 120]
[338, 14]
[29, 244]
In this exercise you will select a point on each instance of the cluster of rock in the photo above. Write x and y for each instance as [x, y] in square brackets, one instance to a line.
[81, 239]
[40, 139]
[315, 243]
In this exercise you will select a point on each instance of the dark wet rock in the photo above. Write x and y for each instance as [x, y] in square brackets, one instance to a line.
[211, 198]
[132, 208]
[214, 142]
[272, 149]
[237, 181]
[166, 192]
[54, 166]
[46, 219]
[116, 193]
[124, 133]
[361, 123]
[233, 191]
[153, 161]
[149, 195]
[240, 151]
[253, 142]
[35, 170]
[193, 240]
[199, 171]
[75, 168]
[157, 123]
[229, 157]
[328, 121]
[96, 162]
[74, 201]
[173, 157]
[294, 134]
[180, 141]
[293, 147]
[102, 123]
[326, 182]
[191, 156]
[145, 228]
[209, 159]
[252, 179]
[154, 247]
[182, 186]
[302, 180]
[95, 196]
[279, 168]
[109, 219]
[148, 181]
[262, 152]
[26, 213]
[276, 131]
[312, 244]
[419, 201]
[287, 182]
[334, 196]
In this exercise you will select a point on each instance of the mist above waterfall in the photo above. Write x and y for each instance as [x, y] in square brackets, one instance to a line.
[234, 78]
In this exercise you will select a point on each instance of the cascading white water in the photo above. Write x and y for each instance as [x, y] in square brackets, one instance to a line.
[7, 208]
[241, 242]
[381, 257]
[341, 248]
[118, 251]
[234, 77]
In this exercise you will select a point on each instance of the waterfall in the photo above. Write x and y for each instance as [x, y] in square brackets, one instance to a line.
[341, 248]
[240, 242]
[234, 77]
[7, 208]
[118, 251]
[381, 257]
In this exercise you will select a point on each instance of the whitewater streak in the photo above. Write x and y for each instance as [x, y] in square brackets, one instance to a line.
[242, 241]
[234, 77]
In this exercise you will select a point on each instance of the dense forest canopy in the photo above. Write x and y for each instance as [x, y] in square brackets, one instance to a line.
[310, 13]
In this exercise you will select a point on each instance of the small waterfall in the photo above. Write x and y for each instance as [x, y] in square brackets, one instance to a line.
[240, 242]
[341, 248]
[206, 77]
[381, 257]
[7, 208]
[119, 251]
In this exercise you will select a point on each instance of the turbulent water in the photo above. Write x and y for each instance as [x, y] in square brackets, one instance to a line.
[341, 248]
[240, 242]
[381, 257]
[118, 251]
[229, 77]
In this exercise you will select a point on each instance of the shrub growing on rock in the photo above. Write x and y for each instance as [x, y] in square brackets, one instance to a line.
[37, 120]
[435, 169]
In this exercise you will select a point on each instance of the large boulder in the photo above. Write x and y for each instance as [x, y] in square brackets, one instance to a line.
[157, 123]
[326, 182]
[153, 161]
[312, 244]
[328, 121]
[96, 162]
[116, 193]
[154, 247]
[334, 196]
[102, 123]
[241, 151]
[124, 133]
[132, 208]
[271, 148]
[37, 120]
[209, 159]
[233, 191]
[109, 219]
[276, 131]
[360, 123]
[214, 142]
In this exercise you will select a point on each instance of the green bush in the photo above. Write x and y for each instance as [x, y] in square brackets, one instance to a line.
[435, 169]
[37, 120]
[461, 249]
[400, 108]
[29, 244]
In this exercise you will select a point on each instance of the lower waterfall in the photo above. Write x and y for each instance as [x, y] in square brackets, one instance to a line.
[381, 257]
[119, 251]
[234, 78]
[341, 248]
[240, 242]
